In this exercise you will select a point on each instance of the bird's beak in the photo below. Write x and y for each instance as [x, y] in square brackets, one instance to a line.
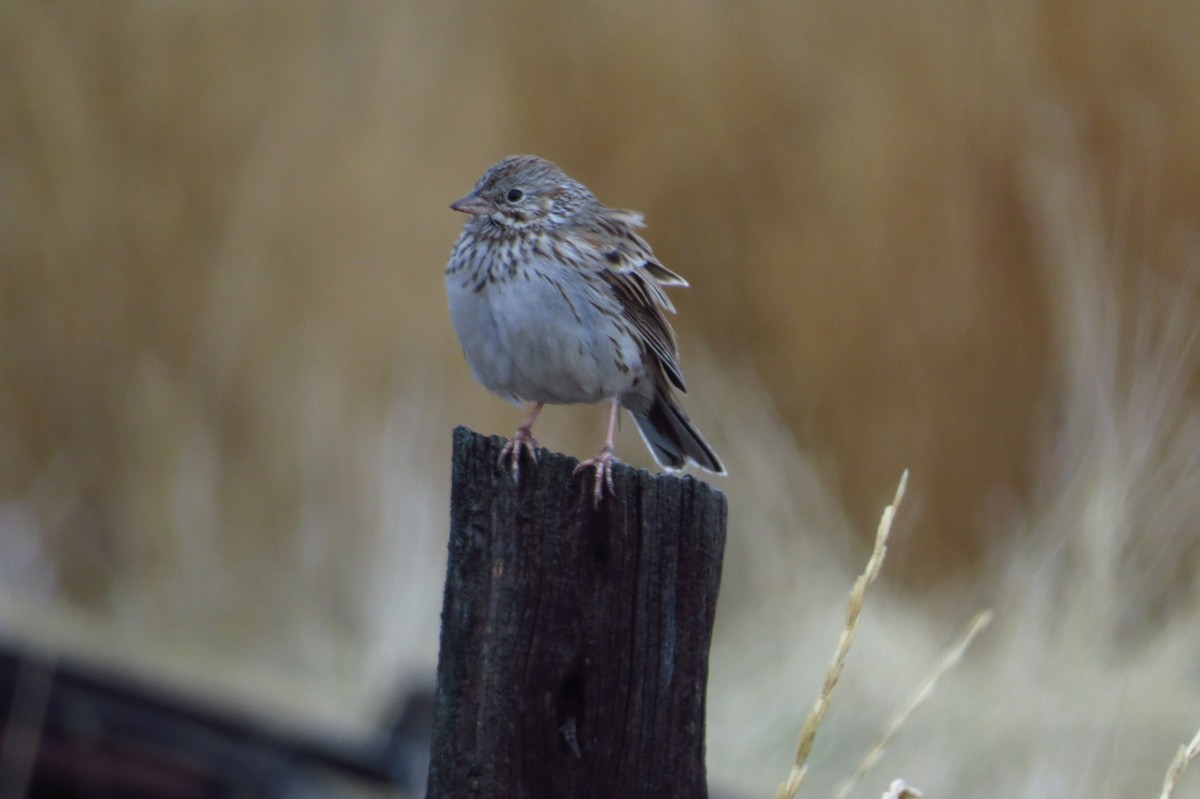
[472, 204]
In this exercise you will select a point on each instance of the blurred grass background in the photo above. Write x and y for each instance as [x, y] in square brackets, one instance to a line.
[961, 239]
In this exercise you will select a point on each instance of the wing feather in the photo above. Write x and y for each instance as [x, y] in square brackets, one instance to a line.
[625, 262]
[638, 299]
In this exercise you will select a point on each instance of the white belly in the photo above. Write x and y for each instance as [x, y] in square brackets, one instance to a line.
[526, 339]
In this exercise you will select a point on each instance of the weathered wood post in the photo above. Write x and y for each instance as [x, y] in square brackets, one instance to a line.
[574, 651]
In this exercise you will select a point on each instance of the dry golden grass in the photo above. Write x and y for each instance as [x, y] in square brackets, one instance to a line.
[954, 238]
[808, 732]
[923, 692]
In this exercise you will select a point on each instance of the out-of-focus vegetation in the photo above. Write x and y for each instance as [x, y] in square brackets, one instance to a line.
[958, 238]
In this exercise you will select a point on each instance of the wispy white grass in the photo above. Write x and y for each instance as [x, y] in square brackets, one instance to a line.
[1086, 682]
[324, 629]
[919, 697]
[1187, 753]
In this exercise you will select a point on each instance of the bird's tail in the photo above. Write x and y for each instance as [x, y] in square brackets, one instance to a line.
[670, 435]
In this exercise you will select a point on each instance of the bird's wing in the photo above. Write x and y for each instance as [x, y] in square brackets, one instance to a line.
[625, 249]
[628, 266]
[636, 294]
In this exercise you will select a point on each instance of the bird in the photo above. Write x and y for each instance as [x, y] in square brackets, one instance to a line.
[556, 300]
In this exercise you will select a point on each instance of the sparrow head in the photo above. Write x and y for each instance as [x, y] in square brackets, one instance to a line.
[524, 191]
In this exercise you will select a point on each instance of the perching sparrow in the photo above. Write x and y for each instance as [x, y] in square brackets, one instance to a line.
[556, 299]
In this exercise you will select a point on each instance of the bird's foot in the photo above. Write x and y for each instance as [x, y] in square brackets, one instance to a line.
[603, 464]
[522, 440]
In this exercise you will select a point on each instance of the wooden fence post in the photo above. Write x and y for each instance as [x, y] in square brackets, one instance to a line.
[574, 648]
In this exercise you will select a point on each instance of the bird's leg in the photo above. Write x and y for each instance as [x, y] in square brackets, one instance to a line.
[521, 440]
[603, 463]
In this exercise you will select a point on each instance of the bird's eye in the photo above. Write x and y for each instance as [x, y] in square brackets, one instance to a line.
[514, 195]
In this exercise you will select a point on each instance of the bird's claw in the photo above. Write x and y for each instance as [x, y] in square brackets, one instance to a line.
[522, 440]
[603, 464]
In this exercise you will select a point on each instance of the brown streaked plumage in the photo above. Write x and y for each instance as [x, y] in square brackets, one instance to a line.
[556, 299]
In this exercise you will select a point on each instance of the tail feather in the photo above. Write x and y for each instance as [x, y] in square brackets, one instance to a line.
[671, 437]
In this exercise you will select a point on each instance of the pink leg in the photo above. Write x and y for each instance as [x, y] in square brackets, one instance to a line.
[603, 462]
[521, 440]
